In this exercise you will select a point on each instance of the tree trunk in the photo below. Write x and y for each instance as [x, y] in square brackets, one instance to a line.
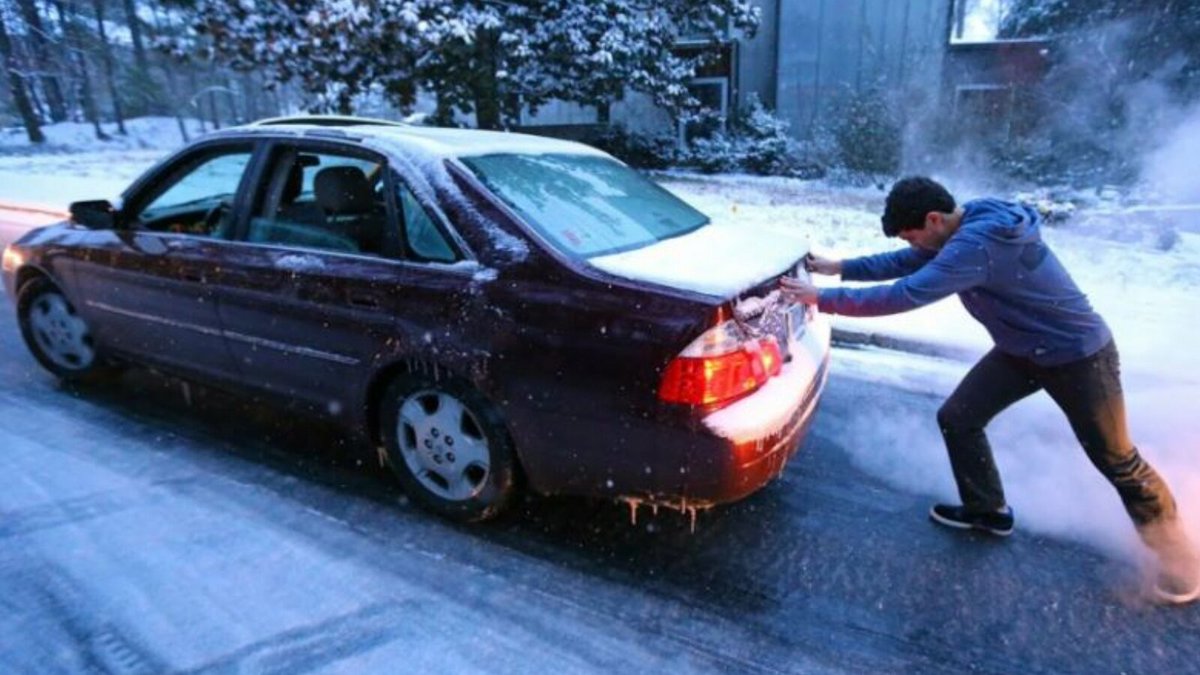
[960, 18]
[74, 44]
[168, 67]
[17, 86]
[135, 34]
[443, 114]
[250, 93]
[604, 113]
[43, 55]
[345, 103]
[110, 67]
[236, 116]
[182, 128]
[486, 87]
[195, 101]
[212, 106]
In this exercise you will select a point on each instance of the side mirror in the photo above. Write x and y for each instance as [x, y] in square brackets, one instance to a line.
[97, 214]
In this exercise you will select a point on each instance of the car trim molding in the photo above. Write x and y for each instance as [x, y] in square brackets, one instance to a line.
[152, 318]
[250, 339]
[292, 349]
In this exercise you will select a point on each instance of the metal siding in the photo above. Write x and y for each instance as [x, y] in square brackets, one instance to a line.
[756, 57]
[830, 49]
[809, 54]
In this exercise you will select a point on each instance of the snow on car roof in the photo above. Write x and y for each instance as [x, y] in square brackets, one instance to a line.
[473, 142]
[437, 141]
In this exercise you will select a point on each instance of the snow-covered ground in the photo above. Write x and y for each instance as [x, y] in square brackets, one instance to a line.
[73, 164]
[1147, 294]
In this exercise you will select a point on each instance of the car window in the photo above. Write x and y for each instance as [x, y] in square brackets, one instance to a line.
[322, 200]
[585, 205]
[425, 239]
[198, 199]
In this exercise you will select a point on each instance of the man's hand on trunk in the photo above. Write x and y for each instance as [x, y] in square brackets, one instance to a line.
[817, 264]
[798, 290]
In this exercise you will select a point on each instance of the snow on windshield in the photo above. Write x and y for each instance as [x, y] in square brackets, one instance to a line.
[585, 206]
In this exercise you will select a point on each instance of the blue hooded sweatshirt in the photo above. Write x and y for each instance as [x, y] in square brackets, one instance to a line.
[1005, 275]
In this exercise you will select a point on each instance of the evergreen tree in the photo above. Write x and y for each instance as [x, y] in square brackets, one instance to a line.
[1117, 67]
[1157, 38]
[489, 58]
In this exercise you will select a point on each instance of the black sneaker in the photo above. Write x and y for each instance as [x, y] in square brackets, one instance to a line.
[999, 523]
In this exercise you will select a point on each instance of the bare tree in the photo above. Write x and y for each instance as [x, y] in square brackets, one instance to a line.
[135, 34]
[110, 66]
[69, 18]
[44, 58]
[168, 66]
[17, 85]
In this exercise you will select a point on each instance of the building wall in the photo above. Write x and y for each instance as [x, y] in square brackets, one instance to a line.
[985, 86]
[807, 56]
[831, 49]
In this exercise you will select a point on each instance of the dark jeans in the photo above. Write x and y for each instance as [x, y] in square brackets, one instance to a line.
[1088, 391]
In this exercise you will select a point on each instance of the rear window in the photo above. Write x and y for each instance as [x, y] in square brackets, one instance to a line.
[585, 205]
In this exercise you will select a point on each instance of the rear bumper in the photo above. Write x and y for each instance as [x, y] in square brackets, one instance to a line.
[692, 460]
[732, 470]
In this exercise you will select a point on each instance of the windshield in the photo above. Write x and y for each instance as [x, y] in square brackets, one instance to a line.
[586, 205]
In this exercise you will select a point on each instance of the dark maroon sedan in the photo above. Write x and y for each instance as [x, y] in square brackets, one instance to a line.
[494, 311]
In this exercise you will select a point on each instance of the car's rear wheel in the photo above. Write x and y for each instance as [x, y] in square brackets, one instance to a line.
[448, 446]
[57, 336]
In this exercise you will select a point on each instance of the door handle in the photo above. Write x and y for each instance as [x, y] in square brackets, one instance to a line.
[193, 275]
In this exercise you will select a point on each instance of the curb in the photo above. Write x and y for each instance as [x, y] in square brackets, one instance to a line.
[40, 210]
[853, 339]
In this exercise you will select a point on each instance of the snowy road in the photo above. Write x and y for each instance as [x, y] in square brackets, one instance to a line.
[148, 529]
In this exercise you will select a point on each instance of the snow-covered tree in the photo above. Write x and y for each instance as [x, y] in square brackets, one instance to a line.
[479, 56]
[1119, 70]
[593, 52]
[332, 50]
[1156, 38]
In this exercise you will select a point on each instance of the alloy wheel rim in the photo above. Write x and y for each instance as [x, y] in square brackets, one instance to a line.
[443, 445]
[61, 335]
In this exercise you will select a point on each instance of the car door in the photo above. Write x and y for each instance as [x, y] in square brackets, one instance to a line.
[149, 285]
[322, 288]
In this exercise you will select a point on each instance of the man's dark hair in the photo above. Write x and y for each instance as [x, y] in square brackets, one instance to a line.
[910, 200]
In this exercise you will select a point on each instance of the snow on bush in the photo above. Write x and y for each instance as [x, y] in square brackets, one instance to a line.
[757, 142]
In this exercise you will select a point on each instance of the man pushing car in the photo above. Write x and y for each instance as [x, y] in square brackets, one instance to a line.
[1047, 336]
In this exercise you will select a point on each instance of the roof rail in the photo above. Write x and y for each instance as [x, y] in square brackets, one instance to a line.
[326, 121]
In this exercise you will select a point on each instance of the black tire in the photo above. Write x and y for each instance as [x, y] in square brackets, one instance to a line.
[471, 479]
[49, 322]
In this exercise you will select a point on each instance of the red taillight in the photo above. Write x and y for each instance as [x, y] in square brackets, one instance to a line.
[772, 357]
[707, 379]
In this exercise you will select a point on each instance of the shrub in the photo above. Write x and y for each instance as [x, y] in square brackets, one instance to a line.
[868, 134]
[719, 154]
[643, 151]
[756, 142]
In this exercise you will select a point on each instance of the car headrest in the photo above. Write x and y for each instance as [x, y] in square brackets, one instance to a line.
[343, 189]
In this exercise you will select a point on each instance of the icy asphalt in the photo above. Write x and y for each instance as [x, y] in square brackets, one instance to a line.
[150, 527]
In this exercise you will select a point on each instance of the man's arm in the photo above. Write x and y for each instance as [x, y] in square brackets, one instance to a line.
[884, 266]
[955, 268]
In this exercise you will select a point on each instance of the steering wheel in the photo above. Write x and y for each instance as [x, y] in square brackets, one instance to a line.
[214, 216]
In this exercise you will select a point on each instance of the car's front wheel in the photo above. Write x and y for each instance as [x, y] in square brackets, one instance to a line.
[57, 336]
[448, 446]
